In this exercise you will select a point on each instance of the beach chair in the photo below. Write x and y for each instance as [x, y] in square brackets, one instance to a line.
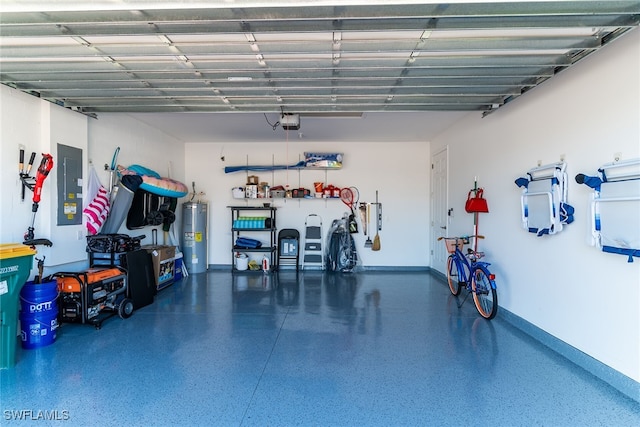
[615, 207]
[544, 199]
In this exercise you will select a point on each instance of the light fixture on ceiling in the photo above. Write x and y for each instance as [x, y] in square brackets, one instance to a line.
[290, 121]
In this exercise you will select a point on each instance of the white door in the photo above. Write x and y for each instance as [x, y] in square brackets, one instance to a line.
[439, 207]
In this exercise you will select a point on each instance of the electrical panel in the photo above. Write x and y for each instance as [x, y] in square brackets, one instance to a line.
[69, 185]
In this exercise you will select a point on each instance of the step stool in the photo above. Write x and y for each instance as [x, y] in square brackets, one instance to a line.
[313, 258]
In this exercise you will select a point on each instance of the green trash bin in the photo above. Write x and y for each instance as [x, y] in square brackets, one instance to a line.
[16, 261]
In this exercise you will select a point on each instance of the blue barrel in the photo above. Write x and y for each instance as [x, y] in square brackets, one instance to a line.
[38, 314]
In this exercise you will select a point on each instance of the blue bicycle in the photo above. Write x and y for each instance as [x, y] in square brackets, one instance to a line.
[466, 270]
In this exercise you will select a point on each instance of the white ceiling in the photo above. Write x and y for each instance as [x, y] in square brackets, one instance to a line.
[184, 59]
[253, 127]
[297, 56]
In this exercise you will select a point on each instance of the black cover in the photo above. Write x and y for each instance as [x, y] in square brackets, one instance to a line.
[341, 255]
[141, 279]
[150, 209]
[169, 214]
[143, 203]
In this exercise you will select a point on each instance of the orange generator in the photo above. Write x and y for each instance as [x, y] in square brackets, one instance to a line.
[93, 296]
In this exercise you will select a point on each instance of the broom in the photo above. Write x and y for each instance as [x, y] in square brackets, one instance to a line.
[368, 243]
[376, 239]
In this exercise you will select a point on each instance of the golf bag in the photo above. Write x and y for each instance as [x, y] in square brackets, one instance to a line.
[341, 251]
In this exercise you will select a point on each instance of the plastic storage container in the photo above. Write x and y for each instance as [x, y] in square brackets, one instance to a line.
[38, 314]
[16, 261]
[242, 262]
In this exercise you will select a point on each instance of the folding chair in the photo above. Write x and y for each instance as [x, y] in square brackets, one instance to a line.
[615, 208]
[288, 248]
[544, 199]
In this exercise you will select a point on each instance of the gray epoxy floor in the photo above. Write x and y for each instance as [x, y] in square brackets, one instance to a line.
[372, 348]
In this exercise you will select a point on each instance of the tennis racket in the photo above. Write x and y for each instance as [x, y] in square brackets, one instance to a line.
[347, 197]
[350, 197]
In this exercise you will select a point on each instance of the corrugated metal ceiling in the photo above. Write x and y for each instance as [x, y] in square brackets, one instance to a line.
[297, 56]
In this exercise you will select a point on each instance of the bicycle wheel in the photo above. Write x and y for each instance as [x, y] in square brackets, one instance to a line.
[484, 293]
[453, 275]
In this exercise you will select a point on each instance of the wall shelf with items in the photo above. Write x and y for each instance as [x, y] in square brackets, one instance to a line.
[280, 183]
[244, 224]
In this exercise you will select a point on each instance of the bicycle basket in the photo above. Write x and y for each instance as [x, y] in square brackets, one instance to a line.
[451, 244]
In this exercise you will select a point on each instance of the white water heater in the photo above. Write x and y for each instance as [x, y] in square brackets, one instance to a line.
[194, 237]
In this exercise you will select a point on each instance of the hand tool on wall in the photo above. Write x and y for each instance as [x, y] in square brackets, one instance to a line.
[35, 185]
[363, 216]
[376, 239]
[24, 175]
[368, 243]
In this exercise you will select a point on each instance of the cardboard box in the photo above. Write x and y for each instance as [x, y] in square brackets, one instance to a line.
[251, 191]
[163, 263]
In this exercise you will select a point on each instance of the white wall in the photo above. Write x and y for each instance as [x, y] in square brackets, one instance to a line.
[19, 125]
[398, 170]
[587, 114]
[38, 126]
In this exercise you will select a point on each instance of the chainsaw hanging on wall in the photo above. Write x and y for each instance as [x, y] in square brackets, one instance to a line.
[35, 185]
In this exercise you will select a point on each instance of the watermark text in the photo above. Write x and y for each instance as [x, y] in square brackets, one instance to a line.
[35, 415]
